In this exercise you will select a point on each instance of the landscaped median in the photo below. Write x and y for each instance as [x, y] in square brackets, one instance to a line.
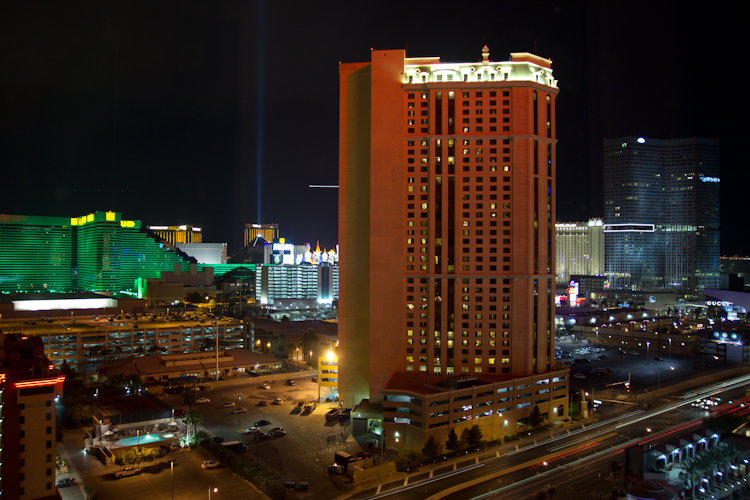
[245, 470]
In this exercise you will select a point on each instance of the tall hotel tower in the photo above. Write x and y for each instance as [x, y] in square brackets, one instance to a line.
[661, 214]
[447, 239]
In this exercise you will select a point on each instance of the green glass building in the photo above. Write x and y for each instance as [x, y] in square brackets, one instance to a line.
[100, 252]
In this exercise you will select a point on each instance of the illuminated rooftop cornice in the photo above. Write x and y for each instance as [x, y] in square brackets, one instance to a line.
[523, 67]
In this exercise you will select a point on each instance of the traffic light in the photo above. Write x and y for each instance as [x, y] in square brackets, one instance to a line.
[627, 386]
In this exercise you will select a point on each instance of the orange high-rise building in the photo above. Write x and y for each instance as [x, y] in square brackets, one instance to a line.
[447, 239]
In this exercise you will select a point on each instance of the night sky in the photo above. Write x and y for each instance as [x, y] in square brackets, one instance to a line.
[208, 112]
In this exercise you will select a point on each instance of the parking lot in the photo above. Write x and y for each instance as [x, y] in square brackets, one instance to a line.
[606, 376]
[303, 454]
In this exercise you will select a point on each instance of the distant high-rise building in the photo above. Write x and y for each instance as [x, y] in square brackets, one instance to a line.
[580, 249]
[268, 232]
[446, 227]
[661, 214]
[205, 253]
[100, 251]
[185, 233]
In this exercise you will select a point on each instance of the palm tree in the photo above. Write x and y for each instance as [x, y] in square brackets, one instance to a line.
[692, 469]
[546, 493]
[192, 418]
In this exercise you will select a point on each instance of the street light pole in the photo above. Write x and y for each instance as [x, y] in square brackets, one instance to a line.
[297, 356]
[171, 476]
[239, 413]
[670, 347]
[209, 492]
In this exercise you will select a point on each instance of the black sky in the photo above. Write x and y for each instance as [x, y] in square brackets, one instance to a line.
[162, 110]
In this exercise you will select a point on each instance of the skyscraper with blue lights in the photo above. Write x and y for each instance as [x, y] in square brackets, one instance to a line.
[661, 214]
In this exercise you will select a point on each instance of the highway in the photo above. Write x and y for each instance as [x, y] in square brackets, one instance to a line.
[576, 462]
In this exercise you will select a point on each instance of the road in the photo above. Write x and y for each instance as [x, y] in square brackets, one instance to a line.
[520, 473]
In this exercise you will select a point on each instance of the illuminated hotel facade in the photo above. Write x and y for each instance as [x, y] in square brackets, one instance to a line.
[97, 252]
[28, 388]
[447, 243]
[268, 232]
[661, 214]
[580, 249]
[173, 235]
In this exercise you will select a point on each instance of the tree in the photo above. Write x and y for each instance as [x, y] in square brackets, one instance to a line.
[405, 457]
[189, 398]
[192, 418]
[546, 493]
[475, 436]
[431, 448]
[536, 419]
[692, 469]
[614, 468]
[453, 444]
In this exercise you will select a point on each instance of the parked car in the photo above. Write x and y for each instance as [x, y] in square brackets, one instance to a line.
[261, 436]
[634, 353]
[363, 454]
[262, 402]
[218, 439]
[277, 432]
[239, 410]
[228, 405]
[579, 375]
[658, 358]
[179, 413]
[291, 382]
[63, 483]
[336, 469]
[252, 430]
[265, 386]
[209, 464]
[278, 401]
[127, 471]
[202, 400]
[261, 423]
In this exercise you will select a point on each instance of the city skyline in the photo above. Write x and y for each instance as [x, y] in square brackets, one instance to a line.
[165, 115]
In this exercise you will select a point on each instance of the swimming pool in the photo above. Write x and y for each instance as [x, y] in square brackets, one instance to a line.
[144, 439]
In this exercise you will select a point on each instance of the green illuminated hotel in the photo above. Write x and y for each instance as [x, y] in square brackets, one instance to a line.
[99, 252]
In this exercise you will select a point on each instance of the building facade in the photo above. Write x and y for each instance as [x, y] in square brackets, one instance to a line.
[268, 232]
[205, 253]
[661, 214]
[29, 386]
[447, 241]
[185, 233]
[99, 252]
[580, 249]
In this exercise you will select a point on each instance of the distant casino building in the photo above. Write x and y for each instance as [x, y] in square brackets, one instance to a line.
[173, 235]
[268, 232]
[661, 214]
[99, 252]
[297, 277]
[580, 249]
[205, 253]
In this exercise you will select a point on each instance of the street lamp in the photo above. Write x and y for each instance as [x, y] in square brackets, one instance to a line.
[171, 476]
[297, 356]
[648, 344]
[209, 492]
[138, 437]
[670, 347]
[239, 413]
